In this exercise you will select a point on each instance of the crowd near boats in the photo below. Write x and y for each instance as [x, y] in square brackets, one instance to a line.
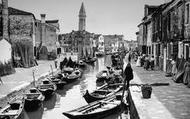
[102, 102]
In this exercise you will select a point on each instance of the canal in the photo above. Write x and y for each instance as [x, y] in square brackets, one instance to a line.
[71, 96]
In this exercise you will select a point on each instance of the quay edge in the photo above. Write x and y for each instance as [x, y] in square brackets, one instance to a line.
[19, 92]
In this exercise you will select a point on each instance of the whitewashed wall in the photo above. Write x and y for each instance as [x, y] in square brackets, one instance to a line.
[5, 51]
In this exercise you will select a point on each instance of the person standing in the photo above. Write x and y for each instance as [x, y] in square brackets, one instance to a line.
[138, 63]
[186, 76]
[129, 57]
[128, 73]
[174, 67]
[152, 63]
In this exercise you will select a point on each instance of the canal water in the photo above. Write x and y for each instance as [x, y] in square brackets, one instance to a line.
[71, 96]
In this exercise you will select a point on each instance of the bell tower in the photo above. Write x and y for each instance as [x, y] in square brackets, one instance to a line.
[82, 18]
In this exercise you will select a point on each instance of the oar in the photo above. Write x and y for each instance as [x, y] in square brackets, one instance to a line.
[94, 103]
[152, 84]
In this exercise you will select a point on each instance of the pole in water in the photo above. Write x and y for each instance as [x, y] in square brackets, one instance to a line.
[51, 69]
[33, 78]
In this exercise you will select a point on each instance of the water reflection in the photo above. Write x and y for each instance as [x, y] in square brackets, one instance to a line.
[50, 103]
[34, 114]
[67, 87]
[71, 96]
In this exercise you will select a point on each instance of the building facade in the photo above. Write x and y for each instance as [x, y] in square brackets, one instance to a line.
[170, 32]
[113, 43]
[20, 33]
[46, 38]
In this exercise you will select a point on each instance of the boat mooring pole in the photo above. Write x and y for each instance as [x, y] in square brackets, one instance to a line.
[124, 87]
[51, 69]
[33, 78]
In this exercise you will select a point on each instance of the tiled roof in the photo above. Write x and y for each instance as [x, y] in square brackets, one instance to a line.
[14, 11]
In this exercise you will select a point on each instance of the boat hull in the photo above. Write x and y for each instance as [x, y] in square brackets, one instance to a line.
[31, 105]
[89, 98]
[98, 115]
[47, 93]
[18, 115]
[100, 94]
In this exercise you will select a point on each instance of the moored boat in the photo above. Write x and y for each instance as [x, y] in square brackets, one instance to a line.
[99, 54]
[68, 70]
[14, 109]
[102, 76]
[58, 81]
[98, 109]
[47, 88]
[81, 64]
[73, 76]
[90, 60]
[33, 99]
[102, 92]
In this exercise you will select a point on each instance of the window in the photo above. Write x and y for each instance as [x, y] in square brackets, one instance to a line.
[187, 13]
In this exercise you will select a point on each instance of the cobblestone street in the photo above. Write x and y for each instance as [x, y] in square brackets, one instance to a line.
[173, 98]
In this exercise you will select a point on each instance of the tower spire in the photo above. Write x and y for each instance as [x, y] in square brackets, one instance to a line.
[82, 18]
[82, 11]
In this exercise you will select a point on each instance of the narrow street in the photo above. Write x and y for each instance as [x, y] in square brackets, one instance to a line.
[71, 96]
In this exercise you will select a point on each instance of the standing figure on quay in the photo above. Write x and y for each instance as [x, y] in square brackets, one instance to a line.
[128, 74]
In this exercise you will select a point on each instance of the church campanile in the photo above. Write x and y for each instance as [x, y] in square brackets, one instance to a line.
[82, 18]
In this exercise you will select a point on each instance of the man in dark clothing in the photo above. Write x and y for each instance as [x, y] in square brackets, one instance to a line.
[129, 57]
[128, 73]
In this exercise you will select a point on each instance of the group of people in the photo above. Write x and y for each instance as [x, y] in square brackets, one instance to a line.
[145, 61]
[181, 72]
[68, 63]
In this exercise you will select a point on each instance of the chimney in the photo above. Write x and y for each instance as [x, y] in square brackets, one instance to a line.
[5, 19]
[43, 28]
[43, 16]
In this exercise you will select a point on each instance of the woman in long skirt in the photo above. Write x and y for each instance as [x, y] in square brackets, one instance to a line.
[186, 76]
[174, 68]
[138, 64]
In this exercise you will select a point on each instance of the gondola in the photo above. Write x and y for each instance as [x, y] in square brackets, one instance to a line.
[68, 70]
[102, 76]
[33, 99]
[58, 81]
[102, 92]
[73, 76]
[81, 64]
[47, 88]
[90, 60]
[99, 54]
[13, 110]
[99, 109]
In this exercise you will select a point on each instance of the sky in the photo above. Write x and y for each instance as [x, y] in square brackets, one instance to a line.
[103, 16]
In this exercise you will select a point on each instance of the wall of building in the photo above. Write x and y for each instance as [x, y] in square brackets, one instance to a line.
[21, 31]
[50, 39]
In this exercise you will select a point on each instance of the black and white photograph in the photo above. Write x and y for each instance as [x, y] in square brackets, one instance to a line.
[94, 59]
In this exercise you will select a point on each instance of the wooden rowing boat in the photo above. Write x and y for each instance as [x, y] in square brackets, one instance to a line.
[102, 76]
[90, 60]
[47, 88]
[73, 76]
[13, 110]
[81, 64]
[102, 92]
[58, 82]
[68, 70]
[33, 99]
[98, 109]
